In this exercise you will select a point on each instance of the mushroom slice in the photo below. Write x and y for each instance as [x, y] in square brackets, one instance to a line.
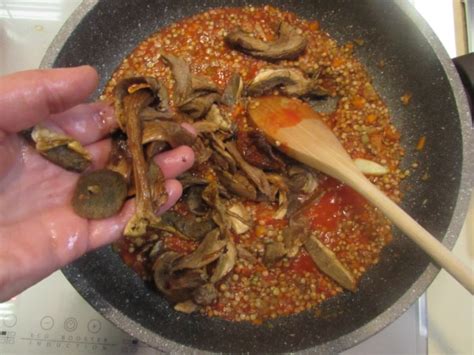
[205, 294]
[99, 194]
[243, 253]
[205, 126]
[193, 94]
[158, 100]
[370, 167]
[291, 81]
[219, 214]
[202, 151]
[200, 105]
[282, 205]
[239, 218]
[226, 262]
[145, 207]
[274, 252]
[233, 91]
[186, 307]
[194, 201]
[237, 184]
[256, 175]
[209, 250]
[256, 150]
[223, 159]
[301, 179]
[294, 235]
[289, 44]
[182, 78]
[222, 121]
[177, 286]
[170, 132]
[328, 263]
[187, 226]
[156, 181]
[60, 149]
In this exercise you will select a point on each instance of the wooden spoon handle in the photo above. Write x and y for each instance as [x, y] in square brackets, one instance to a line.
[412, 229]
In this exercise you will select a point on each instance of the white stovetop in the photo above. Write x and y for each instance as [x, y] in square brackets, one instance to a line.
[26, 29]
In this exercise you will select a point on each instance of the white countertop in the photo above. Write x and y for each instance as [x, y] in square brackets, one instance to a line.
[28, 26]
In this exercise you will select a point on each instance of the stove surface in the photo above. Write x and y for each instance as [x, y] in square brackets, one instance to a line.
[51, 318]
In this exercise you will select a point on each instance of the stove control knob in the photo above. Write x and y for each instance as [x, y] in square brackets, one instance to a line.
[9, 321]
[94, 326]
[47, 323]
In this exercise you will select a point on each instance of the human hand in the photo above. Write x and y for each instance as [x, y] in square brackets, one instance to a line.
[39, 231]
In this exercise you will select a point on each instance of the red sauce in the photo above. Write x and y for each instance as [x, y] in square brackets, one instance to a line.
[337, 202]
[303, 263]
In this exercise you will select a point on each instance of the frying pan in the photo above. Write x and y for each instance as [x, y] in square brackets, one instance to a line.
[102, 33]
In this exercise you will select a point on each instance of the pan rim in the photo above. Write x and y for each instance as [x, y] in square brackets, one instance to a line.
[389, 315]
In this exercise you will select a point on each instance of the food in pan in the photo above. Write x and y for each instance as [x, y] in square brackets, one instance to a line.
[256, 234]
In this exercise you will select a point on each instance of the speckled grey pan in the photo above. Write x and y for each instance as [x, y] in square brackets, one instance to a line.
[101, 33]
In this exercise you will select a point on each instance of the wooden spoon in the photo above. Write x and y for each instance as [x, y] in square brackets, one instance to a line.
[293, 127]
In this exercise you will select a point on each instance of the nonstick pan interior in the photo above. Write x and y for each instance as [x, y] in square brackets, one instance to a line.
[414, 62]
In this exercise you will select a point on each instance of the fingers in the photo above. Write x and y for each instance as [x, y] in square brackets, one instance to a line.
[87, 123]
[176, 161]
[60, 238]
[29, 97]
[106, 231]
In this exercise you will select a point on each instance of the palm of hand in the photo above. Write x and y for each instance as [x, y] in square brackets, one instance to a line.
[39, 231]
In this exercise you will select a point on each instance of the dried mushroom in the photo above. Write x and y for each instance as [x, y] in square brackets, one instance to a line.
[274, 252]
[222, 121]
[233, 90]
[61, 149]
[193, 95]
[256, 150]
[158, 106]
[256, 175]
[290, 81]
[189, 226]
[289, 44]
[237, 184]
[301, 179]
[205, 294]
[209, 250]
[99, 194]
[145, 207]
[239, 218]
[176, 286]
[328, 263]
[194, 200]
[226, 262]
[165, 131]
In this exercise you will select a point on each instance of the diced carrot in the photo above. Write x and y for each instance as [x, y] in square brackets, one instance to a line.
[405, 99]
[371, 118]
[391, 133]
[337, 62]
[260, 230]
[314, 26]
[358, 102]
[421, 143]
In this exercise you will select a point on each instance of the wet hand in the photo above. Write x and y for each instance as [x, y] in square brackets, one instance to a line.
[39, 232]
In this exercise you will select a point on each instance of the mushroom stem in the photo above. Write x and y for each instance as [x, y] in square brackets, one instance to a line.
[144, 215]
